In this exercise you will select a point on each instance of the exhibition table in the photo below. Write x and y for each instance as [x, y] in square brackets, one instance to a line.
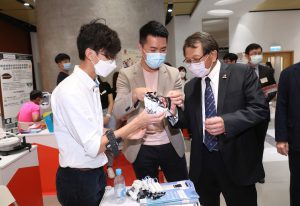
[19, 171]
[109, 199]
[48, 158]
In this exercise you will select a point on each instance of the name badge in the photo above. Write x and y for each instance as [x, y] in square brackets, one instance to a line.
[264, 80]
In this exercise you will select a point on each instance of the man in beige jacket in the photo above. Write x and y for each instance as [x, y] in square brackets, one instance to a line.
[162, 146]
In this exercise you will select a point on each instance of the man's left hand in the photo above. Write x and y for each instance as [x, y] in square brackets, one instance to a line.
[177, 97]
[215, 125]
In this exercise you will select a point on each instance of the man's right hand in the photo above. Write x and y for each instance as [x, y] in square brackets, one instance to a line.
[282, 148]
[139, 93]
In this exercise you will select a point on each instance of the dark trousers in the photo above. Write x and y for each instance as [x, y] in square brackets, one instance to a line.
[214, 180]
[151, 157]
[80, 188]
[294, 163]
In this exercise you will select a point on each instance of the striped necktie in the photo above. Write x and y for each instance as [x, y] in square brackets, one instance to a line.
[210, 141]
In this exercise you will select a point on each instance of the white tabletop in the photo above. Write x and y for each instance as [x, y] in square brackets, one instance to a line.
[44, 132]
[9, 159]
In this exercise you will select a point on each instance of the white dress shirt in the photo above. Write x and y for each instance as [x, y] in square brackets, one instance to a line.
[214, 83]
[78, 121]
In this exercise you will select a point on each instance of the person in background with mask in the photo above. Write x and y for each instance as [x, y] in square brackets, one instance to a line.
[223, 105]
[182, 72]
[78, 119]
[162, 146]
[253, 53]
[63, 62]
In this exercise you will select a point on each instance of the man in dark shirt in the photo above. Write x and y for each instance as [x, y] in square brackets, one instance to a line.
[63, 62]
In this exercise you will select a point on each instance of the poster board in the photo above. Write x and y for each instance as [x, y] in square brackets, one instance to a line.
[130, 57]
[15, 87]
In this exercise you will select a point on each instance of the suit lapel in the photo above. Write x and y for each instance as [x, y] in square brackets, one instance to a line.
[197, 104]
[223, 81]
[139, 76]
[162, 80]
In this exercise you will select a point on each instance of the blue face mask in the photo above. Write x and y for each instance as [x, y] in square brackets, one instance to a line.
[67, 66]
[154, 60]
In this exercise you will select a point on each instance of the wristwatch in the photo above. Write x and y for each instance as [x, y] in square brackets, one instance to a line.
[113, 142]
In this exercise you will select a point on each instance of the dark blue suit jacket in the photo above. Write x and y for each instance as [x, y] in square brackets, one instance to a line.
[242, 105]
[287, 118]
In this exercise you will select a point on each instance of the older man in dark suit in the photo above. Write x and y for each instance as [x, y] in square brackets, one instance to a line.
[287, 125]
[222, 107]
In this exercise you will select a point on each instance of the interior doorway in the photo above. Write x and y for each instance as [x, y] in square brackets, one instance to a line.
[279, 60]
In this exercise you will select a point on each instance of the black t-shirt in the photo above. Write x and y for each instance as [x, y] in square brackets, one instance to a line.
[105, 90]
[61, 76]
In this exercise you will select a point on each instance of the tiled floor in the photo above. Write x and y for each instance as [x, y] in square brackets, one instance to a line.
[274, 192]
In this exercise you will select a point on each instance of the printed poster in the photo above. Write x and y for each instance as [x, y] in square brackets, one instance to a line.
[16, 85]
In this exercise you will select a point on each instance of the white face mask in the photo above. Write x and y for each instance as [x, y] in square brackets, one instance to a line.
[104, 68]
[198, 69]
[256, 59]
[182, 74]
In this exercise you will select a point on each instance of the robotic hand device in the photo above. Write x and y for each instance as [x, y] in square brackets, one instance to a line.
[155, 104]
[145, 188]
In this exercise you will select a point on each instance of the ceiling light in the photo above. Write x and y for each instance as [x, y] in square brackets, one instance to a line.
[26, 4]
[220, 12]
[225, 2]
[170, 8]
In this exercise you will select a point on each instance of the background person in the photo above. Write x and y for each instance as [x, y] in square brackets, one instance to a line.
[253, 54]
[182, 72]
[63, 63]
[30, 111]
[114, 84]
[230, 58]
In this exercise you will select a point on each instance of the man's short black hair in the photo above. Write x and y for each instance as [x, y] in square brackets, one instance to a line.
[60, 57]
[230, 56]
[98, 36]
[35, 94]
[252, 46]
[153, 28]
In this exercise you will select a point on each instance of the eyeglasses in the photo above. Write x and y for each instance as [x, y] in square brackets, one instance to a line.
[196, 60]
